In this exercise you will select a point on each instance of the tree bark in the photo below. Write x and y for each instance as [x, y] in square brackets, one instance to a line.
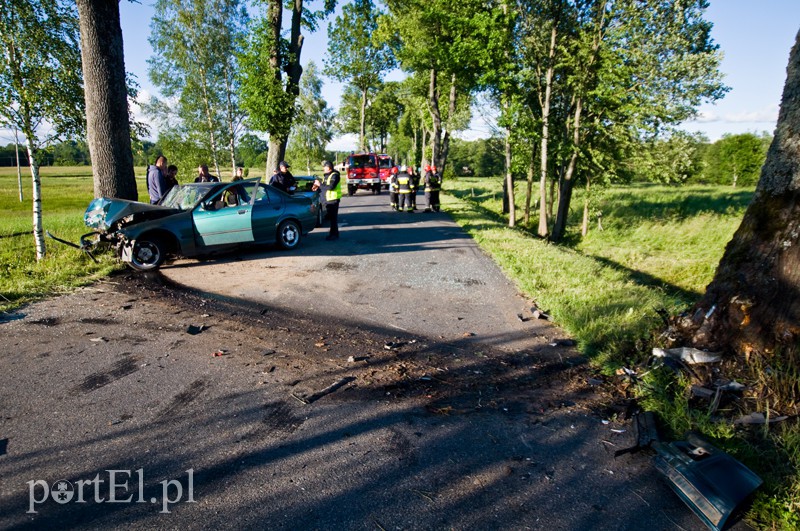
[436, 115]
[543, 225]
[36, 192]
[107, 118]
[362, 134]
[753, 302]
[568, 180]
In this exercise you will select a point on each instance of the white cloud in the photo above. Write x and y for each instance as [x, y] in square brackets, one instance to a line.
[767, 115]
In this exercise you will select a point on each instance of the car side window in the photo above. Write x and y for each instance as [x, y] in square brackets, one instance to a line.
[263, 195]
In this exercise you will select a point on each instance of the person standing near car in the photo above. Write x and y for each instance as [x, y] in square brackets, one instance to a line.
[332, 189]
[156, 179]
[203, 175]
[283, 178]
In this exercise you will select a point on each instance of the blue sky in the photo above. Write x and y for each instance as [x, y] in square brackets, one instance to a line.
[754, 35]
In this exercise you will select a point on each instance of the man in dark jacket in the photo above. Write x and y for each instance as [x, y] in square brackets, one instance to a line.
[332, 190]
[283, 178]
[156, 179]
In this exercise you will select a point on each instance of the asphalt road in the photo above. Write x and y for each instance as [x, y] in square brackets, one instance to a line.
[383, 381]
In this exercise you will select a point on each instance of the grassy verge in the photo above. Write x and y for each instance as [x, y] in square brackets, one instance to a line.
[658, 249]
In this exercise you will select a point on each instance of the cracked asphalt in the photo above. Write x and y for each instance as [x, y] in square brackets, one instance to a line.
[393, 379]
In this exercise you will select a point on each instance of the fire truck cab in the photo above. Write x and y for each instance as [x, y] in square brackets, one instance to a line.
[363, 173]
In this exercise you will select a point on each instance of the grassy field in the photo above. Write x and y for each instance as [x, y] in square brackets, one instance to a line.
[658, 249]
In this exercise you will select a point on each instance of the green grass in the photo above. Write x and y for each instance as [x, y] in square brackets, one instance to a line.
[658, 249]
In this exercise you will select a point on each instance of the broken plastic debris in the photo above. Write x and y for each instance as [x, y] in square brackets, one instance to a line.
[688, 355]
[219, 353]
[351, 359]
[99, 340]
[732, 386]
[758, 418]
[615, 430]
[194, 329]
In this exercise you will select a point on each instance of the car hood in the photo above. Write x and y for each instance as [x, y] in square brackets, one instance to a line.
[102, 213]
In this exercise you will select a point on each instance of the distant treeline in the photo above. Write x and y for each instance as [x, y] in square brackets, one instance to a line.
[734, 159]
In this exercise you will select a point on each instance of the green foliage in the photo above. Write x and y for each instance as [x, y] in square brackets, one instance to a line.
[40, 70]
[735, 160]
[196, 45]
[251, 151]
[313, 126]
[483, 157]
[675, 159]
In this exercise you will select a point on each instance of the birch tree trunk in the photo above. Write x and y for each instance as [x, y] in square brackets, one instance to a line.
[36, 192]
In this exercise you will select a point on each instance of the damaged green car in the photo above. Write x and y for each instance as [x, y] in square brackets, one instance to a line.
[199, 219]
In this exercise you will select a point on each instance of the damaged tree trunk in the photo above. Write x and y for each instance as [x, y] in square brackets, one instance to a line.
[753, 302]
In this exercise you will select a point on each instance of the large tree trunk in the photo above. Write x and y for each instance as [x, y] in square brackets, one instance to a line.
[753, 302]
[107, 119]
[568, 180]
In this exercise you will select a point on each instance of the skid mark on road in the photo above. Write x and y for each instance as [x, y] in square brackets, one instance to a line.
[127, 365]
[184, 398]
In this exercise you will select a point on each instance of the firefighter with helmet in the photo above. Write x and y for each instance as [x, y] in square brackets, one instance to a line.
[393, 189]
[433, 185]
[405, 187]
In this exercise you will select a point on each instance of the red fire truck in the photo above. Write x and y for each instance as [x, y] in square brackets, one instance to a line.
[385, 163]
[363, 173]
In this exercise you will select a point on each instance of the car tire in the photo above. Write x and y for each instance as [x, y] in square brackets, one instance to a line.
[289, 234]
[351, 190]
[148, 253]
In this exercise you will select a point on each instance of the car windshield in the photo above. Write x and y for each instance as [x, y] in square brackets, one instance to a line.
[385, 162]
[186, 196]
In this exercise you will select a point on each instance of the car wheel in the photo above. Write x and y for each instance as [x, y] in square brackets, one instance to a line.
[147, 254]
[289, 234]
[351, 190]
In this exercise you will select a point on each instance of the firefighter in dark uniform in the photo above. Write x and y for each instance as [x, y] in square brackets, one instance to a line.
[414, 177]
[433, 185]
[332, 188]
[393, 191]
[405, 185]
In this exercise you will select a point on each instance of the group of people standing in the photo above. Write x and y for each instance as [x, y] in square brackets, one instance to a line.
[161, 178]
[404, 183]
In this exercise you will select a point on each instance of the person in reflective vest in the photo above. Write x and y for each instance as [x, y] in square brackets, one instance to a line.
[405, 186]
[332, 188]
[433, 185]
[393, 191]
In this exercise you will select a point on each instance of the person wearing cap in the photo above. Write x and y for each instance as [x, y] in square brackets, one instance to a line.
[332, 190]
[283, 178]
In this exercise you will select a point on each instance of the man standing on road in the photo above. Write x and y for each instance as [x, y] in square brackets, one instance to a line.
[156, 179]
[332, 189]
